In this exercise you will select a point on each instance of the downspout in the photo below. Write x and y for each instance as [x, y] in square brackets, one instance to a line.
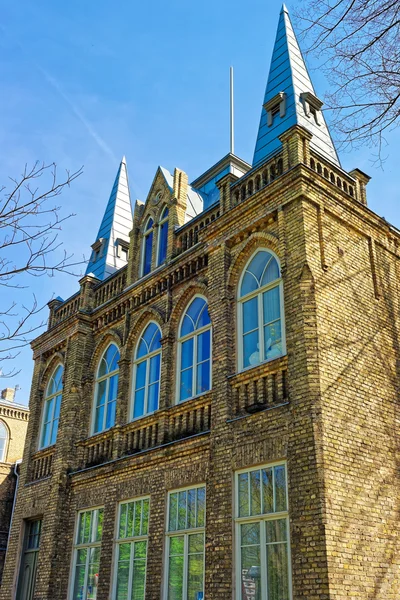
[17, 462]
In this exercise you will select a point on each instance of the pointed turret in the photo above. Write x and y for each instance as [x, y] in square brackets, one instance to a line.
[110, 250]
[290, 99]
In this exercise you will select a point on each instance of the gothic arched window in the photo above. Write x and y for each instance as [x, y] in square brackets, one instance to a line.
[261, 332]
[147, 247]
[106, 390]
[162, 237]
[51, 409]
[3, 441]
[194, 350]
[146, 371]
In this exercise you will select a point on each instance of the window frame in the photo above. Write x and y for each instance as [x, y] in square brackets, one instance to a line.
[180, 341]
[76, 547]
[131, 540]
[4, 453]
[239, 313]
[262, 518]
[185, 533]
[98, 380]
[46, 399]
[136, 362]
[163, 219]
[148, 230]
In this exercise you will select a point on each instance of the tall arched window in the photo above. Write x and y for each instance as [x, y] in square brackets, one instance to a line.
[106, 390]
[260, 311]
[195, 350]
[51, 409]
[146, 371]
[147, 247]
[162, 237]
[3, 441]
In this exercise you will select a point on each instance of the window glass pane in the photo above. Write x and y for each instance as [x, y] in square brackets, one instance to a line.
[138, 409]
[243, 495]
[156, 341]
[113, 357]
[182, 510]
[141, 375]
[103, 367]
[175, 578]
[271, 272]
[154, 374]
[268, 504]
[271, 305]
[250, 315]
[99, 529]
[201, 506]
[80, 571]
[99, 419]
[54, 432]
[153, 397]
[195, 565]
[45, 435]
[142, 349]
[277, 572]
[250, 572]
[122, 520]
[195, 308]
[191, 500]
[138, 579]
[186, 384]
[255, 493]
[140, 550]
[162, 244]
[273, 340]
[149, 224]
[48, 410]
[276, 531]
[187, 354]
[93, 574]
[250, 534]
[251, 353]
[249, 284]
[148, 246]
[57, 407]
[173, 508]
[101, 392]
[203, 383]
[280, 488]
[2, 448]
[110, 419]
[203, 346]
[122, 579]
[187, 326]
[138, 516]
[113, 388]
[204, 317]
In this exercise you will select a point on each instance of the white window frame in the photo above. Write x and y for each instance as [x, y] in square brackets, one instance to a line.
[3, 455]
[194, 334]
[77, 547]
[96, 387]
[131, 540]
[185, 533]
[147, 231]
[163, 219]
[136, 362]
[239, 314]
[46, 400]
[260, 519]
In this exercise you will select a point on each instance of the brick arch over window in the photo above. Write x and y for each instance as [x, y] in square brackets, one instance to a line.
[136, 329]
[187, 294]
[108, 337]
[244, 251]
[48, 368]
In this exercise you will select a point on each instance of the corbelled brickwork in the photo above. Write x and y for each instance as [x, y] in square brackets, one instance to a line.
[328, 407]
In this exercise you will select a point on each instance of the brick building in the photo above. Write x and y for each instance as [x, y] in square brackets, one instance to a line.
[13, 425]
[213, 413]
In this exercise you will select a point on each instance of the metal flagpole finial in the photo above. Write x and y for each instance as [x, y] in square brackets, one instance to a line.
[232, 148]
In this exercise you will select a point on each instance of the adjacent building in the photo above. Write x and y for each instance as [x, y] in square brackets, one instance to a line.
[214, 413]
[13, 425]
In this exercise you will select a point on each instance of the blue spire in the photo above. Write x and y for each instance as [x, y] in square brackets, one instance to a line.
[290, 98]
[110, 250]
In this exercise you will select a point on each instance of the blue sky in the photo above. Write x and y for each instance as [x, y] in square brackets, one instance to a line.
[85, 82]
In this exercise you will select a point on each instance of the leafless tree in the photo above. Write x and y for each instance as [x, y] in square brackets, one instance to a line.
[359, 42]
[30, 222]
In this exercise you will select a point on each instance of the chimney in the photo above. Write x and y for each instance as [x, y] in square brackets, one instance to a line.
[8, 394]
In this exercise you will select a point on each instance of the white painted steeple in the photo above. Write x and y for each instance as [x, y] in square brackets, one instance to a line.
[290, 99]
[110, 250]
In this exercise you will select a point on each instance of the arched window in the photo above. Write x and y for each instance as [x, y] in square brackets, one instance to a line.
[51, 409]
[147, 247]
[195, 350]
[3, 441]
[147, 371]
[106, 390]
[260, 311]
[162, 237]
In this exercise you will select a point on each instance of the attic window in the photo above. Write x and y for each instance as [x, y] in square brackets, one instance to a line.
[312, 106]
[122, 248]
[97, 248]
[275, 106]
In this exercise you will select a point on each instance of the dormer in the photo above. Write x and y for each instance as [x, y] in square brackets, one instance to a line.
[312, 106]
[276, 106]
